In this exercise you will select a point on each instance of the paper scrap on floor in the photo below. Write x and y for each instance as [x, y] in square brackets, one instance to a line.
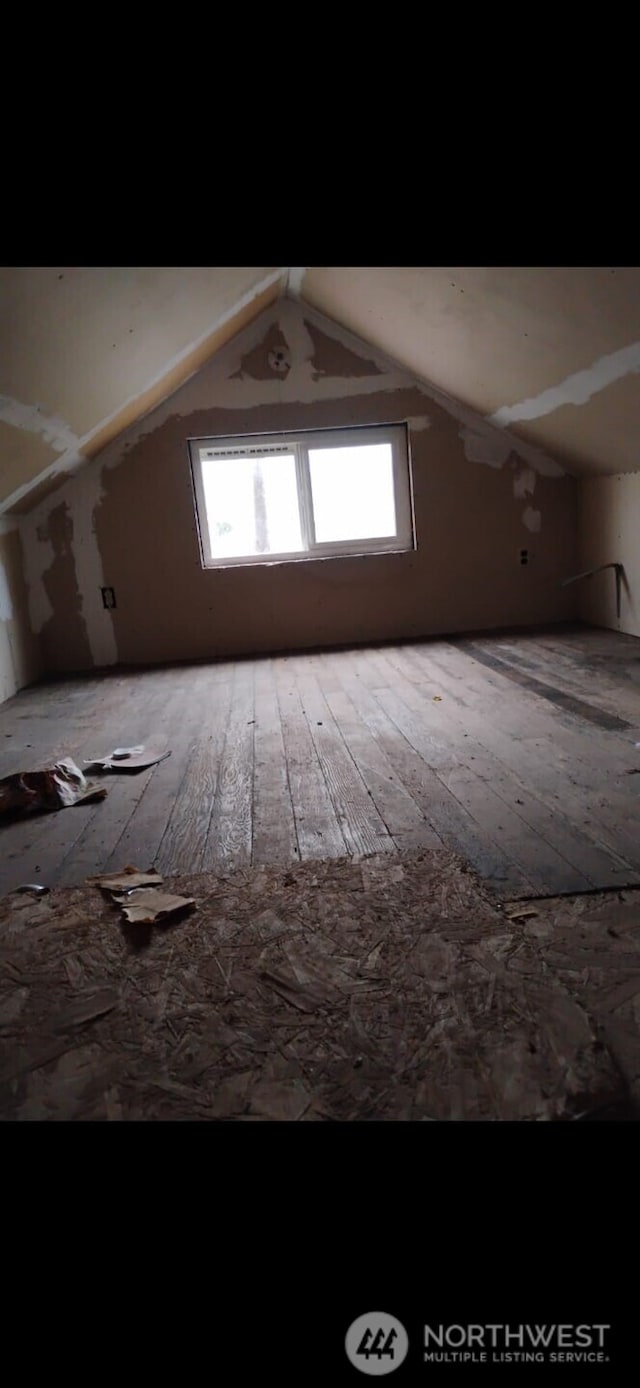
[132, 758]
[56, 788]
[126, 881]
[136, 893]
[145, 907]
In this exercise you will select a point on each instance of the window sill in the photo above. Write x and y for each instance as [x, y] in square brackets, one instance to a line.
[290, 560]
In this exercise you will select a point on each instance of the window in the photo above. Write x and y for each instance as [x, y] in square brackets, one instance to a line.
[271, 497]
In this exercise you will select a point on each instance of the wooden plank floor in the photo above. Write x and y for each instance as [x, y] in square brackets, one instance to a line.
[514, 750]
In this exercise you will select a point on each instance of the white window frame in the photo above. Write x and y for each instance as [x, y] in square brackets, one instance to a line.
[299, 443]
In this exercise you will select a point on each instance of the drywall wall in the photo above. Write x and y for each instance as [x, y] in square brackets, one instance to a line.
[20, 662]
[552, 353]
[609, 531]
[127, 520]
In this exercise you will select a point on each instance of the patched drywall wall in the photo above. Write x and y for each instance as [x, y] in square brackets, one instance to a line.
[20, 661]
[127, 520]
[64, 576]
[609, 529]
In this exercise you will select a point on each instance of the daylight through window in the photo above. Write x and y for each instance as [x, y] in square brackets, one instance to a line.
[313, 494]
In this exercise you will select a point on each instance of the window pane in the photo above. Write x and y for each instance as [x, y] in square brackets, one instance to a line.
[252, 505]
[352, 489]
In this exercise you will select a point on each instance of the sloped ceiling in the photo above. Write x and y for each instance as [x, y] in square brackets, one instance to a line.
[551, 353]
[86, 351]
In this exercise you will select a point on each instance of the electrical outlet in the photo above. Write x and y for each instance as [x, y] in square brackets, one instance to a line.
[108, 597]
[524, 556]
[279, 362]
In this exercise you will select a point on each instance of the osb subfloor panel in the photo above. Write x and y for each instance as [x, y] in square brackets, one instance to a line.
[517, 752]
[387, 987]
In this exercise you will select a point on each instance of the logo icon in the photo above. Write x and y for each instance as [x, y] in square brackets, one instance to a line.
[376, 1343]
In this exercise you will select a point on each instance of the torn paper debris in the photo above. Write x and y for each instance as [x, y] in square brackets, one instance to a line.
[129, 880]
[138, 896]
[147, 907]
[518, 913]
[59, 786]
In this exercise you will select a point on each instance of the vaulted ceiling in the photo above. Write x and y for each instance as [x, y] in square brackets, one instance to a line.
[550, 353]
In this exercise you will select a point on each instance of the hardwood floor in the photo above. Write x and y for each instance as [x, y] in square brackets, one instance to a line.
[514, 750]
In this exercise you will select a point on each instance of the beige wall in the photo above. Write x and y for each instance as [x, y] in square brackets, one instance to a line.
[127, 520]
[19, 649]
[610, 534]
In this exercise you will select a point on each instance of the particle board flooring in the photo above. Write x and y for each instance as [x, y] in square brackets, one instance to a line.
[515, 751]
[378, 987]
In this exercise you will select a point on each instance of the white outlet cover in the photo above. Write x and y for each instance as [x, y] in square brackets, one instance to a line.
[279, 360]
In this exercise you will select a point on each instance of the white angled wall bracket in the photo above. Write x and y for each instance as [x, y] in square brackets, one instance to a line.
[588, 573]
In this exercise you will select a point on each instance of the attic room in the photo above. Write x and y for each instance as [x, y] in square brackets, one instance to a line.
[319, 693]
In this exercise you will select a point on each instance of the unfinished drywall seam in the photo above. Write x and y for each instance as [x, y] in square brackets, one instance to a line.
[28, 416]
[295, 277]
[532, 519]
[483, 441]
[88, 494]
[524, 483]
[6, 605]
[9, 679]
[228, 389]
[482, 444]
[576, 389]
[300, 342]
[39, 555]
[30, 419]
[82, 500]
